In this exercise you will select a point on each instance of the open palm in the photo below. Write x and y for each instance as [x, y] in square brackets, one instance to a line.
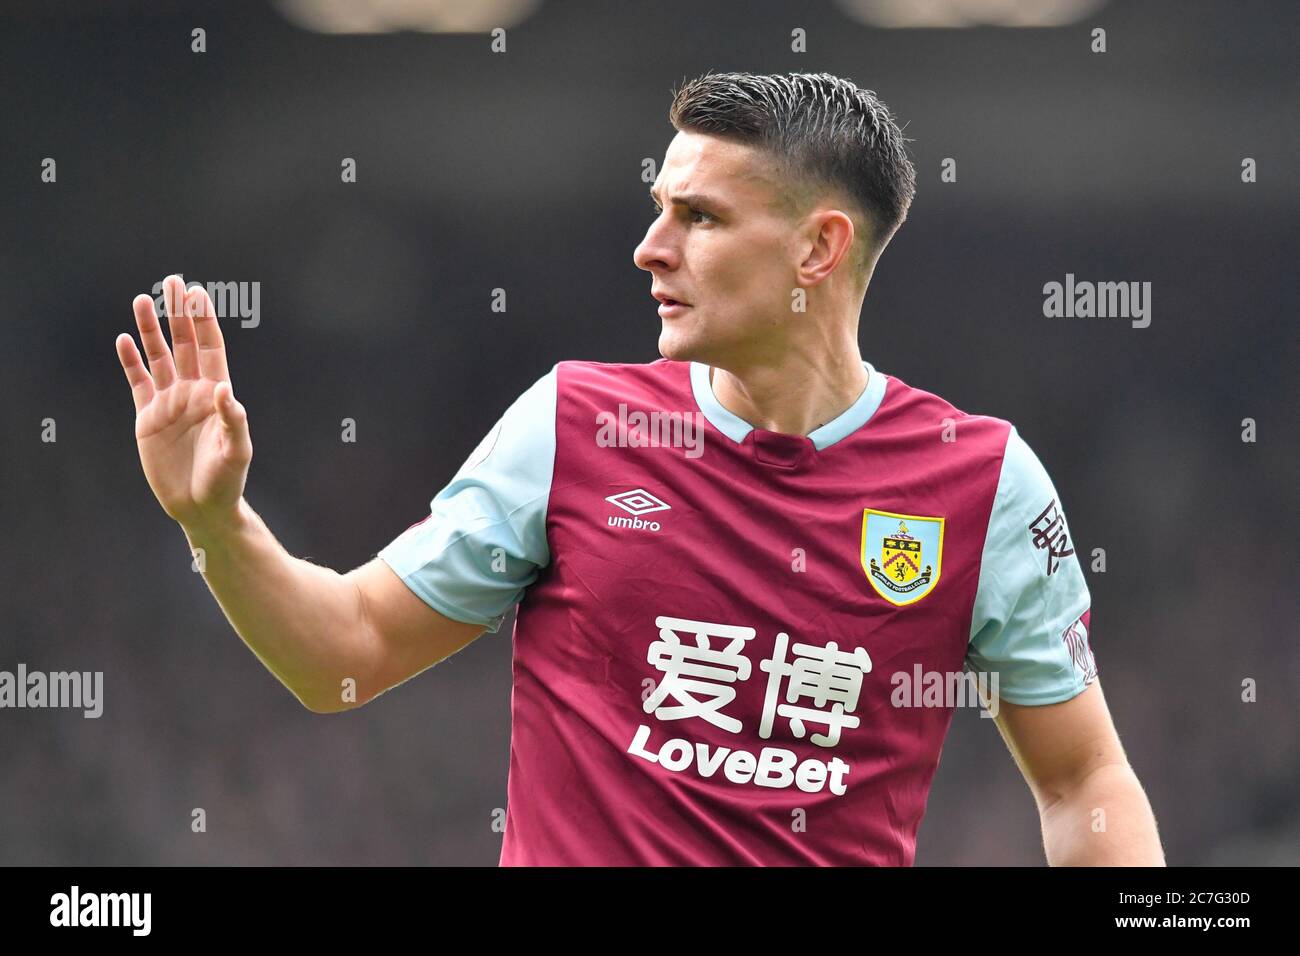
[191, 433]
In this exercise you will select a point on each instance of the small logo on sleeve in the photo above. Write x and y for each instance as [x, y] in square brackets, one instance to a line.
[901, 554]
[1076, 640]
[1050, 535]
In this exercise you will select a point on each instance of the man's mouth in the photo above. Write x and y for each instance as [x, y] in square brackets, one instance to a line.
[667, 298]
[669, 303]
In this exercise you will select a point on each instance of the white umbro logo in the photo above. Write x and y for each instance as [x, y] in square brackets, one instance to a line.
[636, 503]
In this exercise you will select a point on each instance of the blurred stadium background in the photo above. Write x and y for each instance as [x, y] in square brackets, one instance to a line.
[521, 170]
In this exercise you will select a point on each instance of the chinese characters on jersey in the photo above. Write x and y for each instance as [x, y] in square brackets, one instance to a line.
[819, 685]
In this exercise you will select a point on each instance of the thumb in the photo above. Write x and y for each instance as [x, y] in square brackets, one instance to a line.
[233, 415]
[223, 397]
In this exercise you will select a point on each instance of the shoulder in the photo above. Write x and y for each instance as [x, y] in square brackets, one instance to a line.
[590, 369]
[1024, 475]
[922, 415]
[591, 382]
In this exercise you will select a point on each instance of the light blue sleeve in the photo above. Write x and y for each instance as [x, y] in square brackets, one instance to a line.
[1026, 627]
[485, 536]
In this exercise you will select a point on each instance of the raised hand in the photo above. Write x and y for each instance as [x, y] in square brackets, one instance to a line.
[191, 433]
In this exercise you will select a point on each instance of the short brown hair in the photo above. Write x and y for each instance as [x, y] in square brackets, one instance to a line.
[821, 131]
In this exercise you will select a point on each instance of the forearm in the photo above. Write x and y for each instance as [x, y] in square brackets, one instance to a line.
[1106, 820]
[303, 621]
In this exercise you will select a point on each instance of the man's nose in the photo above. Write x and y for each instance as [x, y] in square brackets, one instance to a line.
[655, 252]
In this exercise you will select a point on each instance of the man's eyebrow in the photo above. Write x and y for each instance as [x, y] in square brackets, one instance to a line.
[693, 199]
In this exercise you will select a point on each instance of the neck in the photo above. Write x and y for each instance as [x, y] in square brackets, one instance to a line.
[798, 394]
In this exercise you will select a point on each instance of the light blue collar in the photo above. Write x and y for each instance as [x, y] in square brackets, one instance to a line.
[843, 425]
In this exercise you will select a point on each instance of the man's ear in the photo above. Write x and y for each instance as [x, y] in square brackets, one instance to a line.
[830, 241]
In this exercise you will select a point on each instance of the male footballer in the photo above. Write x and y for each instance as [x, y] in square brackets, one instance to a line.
[735, 566]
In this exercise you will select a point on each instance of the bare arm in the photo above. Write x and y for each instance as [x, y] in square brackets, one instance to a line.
[311, 626]
[1092, 807]
[314, 628]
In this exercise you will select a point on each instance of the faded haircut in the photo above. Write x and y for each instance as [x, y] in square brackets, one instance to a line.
[823, 135]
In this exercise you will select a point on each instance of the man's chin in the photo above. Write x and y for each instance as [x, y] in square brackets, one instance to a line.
[676, 347]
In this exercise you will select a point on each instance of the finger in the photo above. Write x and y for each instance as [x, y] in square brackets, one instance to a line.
[235, 419]
[142, 389]
[207, 332]
[155, 346]
[181, 326]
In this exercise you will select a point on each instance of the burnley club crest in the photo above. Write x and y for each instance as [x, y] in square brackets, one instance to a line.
[901, 554]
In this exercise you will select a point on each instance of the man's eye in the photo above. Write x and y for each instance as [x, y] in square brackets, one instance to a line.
[657, 210]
